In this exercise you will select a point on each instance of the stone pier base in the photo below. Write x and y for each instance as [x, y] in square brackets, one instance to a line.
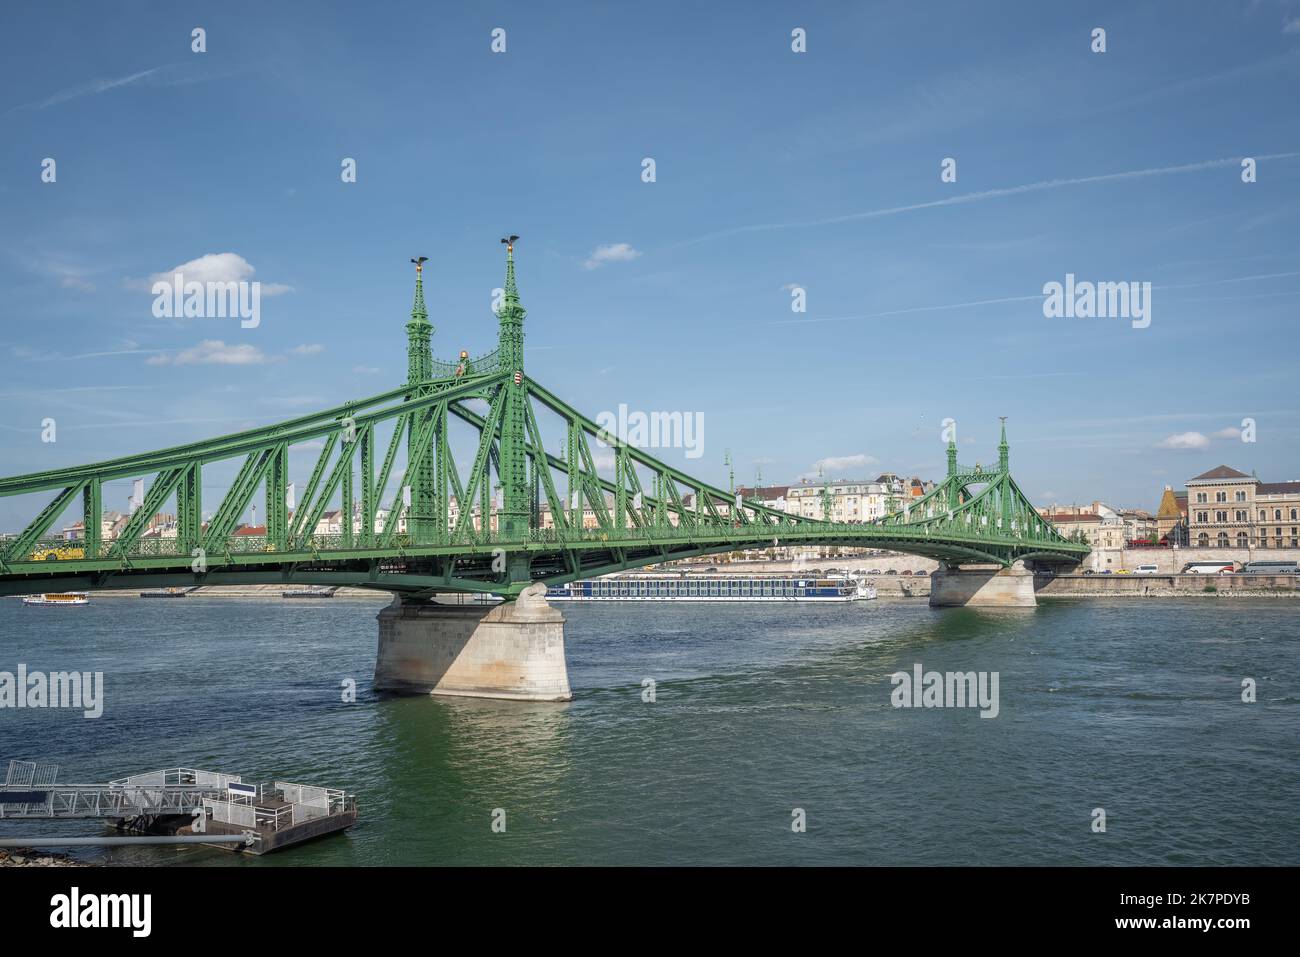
[992, 588]
[512, 650]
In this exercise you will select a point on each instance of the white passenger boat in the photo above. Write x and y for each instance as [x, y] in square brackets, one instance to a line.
[58, 598]
[686, 587]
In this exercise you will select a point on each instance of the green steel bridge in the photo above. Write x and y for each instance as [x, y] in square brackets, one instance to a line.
[529, 443]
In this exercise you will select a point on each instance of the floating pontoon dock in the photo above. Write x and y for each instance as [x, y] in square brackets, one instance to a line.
[281, 814]
[182, 801]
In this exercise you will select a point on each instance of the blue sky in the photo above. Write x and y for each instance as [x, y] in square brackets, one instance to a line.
[821, 169]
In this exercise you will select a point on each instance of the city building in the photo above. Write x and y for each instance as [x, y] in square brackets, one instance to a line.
[112, 523]
[1277, 505]
[1228, 508]
[1101, 524]
[1171, 518]
[773, 496]
[1100, 530]
[853, 500]
[1139, 525]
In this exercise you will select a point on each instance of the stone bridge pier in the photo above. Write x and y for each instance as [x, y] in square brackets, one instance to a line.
[983, 587]
[511, 650]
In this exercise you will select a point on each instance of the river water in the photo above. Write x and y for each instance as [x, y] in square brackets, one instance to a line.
[1131, 706]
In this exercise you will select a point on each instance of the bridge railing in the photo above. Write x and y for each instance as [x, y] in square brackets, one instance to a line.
[485, 364]
[57, 550]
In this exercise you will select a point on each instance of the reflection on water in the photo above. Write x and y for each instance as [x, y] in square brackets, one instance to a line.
[1132, 706]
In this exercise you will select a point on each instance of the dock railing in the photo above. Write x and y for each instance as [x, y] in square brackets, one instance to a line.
[28, 791]
[302, 802]
[187, 777]
[231, 812]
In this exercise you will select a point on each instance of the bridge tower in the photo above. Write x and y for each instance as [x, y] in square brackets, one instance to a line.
[1011, 587]
[1004, 467]
[954, 494]
[420, 517]
[515, 649]
[516, 509]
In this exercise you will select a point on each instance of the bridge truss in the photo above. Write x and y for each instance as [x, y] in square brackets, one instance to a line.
[494, 522]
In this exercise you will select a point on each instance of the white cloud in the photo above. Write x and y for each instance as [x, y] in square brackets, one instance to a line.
[1291, 26]
[367, 370]
[1183, 440]
[610, 253]
[308, 349]
[1231, 432]
[211, 267]
[212, 351]
[833, 464]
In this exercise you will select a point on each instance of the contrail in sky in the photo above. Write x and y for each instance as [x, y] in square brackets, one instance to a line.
[1038, 296]
[981, 196]
[86, 89]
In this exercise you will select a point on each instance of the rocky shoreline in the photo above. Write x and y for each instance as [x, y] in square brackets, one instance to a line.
[27, 857]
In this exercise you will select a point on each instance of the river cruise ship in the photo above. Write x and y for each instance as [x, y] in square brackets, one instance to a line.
[678, 587]
[58, 598]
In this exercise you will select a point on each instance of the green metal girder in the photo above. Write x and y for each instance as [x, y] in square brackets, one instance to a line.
[189, 507]
[158, 493]
[421, 435]
[543, 467]
[300, 523]
[22, 545]
[478, 476]
[92, 510]
[232, 506]
[277, 492]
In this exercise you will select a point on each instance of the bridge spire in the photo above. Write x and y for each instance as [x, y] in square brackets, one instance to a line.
[1004, 450]
[516, 509]
[419, 355]
[419, 368]
[511, 314]
[952, 456]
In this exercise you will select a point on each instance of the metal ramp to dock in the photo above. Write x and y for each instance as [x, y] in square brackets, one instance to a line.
[30, 792]
[197, 806]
